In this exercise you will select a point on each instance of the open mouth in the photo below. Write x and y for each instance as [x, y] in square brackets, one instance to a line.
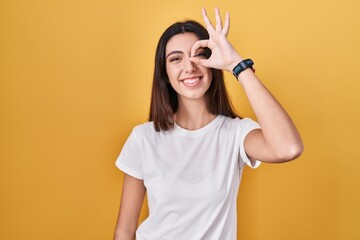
[190, 82]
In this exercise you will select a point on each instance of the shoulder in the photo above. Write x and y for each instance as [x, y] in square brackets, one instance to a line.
[236, 127]
[236, 123]
[144, 129]
[147, 130]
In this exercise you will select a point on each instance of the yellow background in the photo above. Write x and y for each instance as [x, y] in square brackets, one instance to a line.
[76, 77]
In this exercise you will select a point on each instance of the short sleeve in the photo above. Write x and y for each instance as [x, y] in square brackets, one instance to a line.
[130, 158]
[246, 126]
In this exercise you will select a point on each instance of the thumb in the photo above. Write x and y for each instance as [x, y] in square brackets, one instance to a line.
[199, 61]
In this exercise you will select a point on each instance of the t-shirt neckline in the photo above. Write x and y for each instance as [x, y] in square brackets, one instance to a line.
[208, 127]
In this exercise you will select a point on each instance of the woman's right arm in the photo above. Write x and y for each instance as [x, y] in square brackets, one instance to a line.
[132, 198]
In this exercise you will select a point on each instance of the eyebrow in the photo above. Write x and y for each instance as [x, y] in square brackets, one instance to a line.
[173, 52]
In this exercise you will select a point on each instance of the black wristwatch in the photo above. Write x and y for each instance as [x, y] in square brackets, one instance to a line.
[244, 64]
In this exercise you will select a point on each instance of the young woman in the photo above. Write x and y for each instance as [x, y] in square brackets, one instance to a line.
[190, 155]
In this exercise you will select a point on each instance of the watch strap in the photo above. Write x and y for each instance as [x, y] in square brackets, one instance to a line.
[241, 66]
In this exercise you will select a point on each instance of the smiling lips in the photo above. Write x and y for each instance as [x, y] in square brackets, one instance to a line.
[191, 82]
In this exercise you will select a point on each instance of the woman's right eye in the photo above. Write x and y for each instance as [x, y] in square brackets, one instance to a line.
[175, 59]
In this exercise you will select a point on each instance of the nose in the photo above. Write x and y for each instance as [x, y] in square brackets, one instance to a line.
[189, 66]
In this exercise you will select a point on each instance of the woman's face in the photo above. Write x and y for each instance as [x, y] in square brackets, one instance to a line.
[189, 80]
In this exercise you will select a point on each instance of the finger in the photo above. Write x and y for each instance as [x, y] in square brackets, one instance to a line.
[208, 24]
[198, 61]
[197, 45]
[226, 28]
[218, 20]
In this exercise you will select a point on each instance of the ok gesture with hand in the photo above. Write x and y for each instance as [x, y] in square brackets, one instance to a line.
[223, 56]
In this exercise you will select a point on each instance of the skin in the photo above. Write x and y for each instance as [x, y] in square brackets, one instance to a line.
[277, 141]
[180, 69]
[190, 81]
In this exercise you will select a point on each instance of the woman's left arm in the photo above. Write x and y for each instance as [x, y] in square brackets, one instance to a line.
[278, 140]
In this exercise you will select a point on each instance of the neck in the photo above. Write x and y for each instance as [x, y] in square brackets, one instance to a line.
[193, 114]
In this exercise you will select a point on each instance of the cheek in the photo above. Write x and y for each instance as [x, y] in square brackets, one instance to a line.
[208, 73]
[172, 72]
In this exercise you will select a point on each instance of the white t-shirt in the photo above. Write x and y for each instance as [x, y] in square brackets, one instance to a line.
[192, 178]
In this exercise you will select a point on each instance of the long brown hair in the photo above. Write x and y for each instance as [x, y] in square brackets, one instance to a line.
[164, 100]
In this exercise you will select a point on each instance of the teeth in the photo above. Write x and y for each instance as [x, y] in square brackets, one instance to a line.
[191, 81]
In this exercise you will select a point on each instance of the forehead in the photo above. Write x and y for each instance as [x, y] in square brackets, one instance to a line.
[181, 42]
